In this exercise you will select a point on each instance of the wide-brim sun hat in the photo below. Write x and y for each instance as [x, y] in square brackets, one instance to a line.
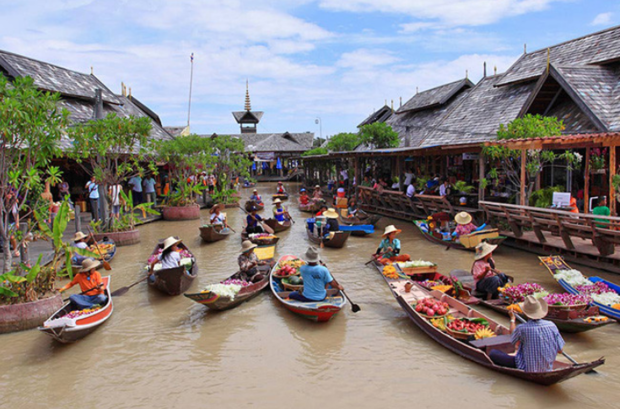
[277, 201]
[79, 236]
[312, 255]
[534, 308]
[247, 245]
[317, 187]
[256, 191]
[483, 249]
[214, 208]
[169, 242]
[331, 213]
[390, 229]
[463, 218]
[89, 264]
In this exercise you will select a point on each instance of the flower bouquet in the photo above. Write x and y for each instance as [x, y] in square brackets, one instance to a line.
[517, 293]
[567, 301]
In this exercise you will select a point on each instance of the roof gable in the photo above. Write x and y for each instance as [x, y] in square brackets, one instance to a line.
[248, 116]
[434, 96]
[380, 115]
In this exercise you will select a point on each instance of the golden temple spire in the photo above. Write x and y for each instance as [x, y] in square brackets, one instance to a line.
[248, 106]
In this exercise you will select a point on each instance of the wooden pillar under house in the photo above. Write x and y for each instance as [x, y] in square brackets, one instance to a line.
[481, 176]
[523, 177]
[586, 183]
[612, 172]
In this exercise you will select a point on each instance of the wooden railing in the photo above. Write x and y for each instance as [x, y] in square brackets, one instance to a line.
[604, 231]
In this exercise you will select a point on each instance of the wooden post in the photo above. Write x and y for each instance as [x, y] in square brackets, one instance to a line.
[78, 218]
[523, 178]
[612, 172]
[586, 185]
[481, 176]
[23, 251]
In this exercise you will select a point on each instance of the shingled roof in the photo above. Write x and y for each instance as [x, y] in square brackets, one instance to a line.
[476, 117]
[274, 142]
[243, 115]
[435, 96]
[595, 48]
[49, 77]
[380, 115]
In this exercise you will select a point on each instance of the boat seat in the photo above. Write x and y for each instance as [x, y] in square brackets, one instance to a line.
[499, 342]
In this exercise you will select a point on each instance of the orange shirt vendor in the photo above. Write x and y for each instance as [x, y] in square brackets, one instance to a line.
[91, 284]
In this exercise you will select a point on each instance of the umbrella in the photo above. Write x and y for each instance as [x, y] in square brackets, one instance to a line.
[253, 165]
[279, 164]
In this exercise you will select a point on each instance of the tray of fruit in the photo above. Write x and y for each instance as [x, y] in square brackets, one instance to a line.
[294, 283]
[432, 308]
[463, 328]
[288, 268]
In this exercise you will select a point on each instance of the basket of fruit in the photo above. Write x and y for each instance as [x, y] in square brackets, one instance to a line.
[288, 268]
[292, 283]
[431, 308]
[463, 328]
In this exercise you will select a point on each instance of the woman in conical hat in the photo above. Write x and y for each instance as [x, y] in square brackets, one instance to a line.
[487, 279]
[170, 256]
[464, 224]
[389, 248]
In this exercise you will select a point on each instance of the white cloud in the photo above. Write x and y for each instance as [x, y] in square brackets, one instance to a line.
[364, 59]
[449, 12]
[603, 19]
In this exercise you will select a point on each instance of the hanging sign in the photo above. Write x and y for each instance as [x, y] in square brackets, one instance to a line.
[471, 156]
[265, 155]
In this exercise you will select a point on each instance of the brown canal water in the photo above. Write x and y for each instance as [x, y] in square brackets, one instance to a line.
[164, 352]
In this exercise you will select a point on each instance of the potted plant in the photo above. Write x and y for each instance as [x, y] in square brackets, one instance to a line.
[462, 187]
[113, 150]
[597, 160]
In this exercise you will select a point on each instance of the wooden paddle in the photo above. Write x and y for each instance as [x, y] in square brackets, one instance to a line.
[354, 307]
[106, 265]
[591, 371]
[123, 290]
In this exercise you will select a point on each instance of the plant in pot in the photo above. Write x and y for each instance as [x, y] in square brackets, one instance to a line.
[597, 160]
[229, 159]
[462, 187]
[113, 150]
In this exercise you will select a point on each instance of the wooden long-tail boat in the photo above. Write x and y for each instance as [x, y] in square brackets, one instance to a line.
[277, 226]
[174, 281]
[281, 196]
[66, 330]
[218, 302]
[337, 241]
[311, 207]
[370, 219]
[211, 233]
[249, 204]
[268, 242]
[556, 263]
[319, 311]
[107, 256]
[436, 238]
[478, 350]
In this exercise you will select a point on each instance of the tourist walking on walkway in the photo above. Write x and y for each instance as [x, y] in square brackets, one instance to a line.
[136, 189]
[149, 190]
[115, 191]
[93, 197]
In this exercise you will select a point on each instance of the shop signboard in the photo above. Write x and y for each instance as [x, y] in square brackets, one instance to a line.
[471, 156]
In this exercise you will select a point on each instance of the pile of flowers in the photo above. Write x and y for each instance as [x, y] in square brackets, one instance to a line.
[261, 236]
[229, 288]
[610, 298]
[79, 313]
[572, 277]
[235, 281]
[184, 254]
[430, 283]
[567, 299]
[518, 293]
[596, 288]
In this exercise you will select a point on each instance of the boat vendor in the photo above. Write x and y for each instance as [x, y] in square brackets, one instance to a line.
[317, 194]
[170, 257]
[316, 279]
[79, 241]
[256, 197]
[304, 199]
[253, 221]
[332, 224]
[537, 341]
[352, 209]
[322, 210]
[217, 218]
[280, 189]
[279, 212]
[487, 280]
[464, 225]
[248, 263]
[91, 284]
[389, 248]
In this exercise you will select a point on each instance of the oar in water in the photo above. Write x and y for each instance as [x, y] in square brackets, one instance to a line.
[106, 265]
[354, 307]
[123, 290]
[591, 371]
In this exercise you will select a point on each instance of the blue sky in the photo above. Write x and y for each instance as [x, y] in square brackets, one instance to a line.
[333, 59]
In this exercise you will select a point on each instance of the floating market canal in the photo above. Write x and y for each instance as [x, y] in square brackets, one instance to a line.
[159, 352]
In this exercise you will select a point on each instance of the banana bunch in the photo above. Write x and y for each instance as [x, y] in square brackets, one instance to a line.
[484, 333]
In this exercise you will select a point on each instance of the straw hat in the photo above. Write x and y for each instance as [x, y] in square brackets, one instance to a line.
[79, 236]
[247, 245]
[89, 264]
[390, 229]
[277, 201]
[312, 255]
[170, 241]
[534, 308]
[463, 218]
[317, 187]
[255, 191]
[331, 213]
[215, 207]
[483, 249]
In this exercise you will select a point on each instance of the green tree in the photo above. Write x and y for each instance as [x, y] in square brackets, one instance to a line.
[316, 151]
[228, 160]
[379, 135]
[112, 150]
[31, 127]
[530, 126]
[343, 142]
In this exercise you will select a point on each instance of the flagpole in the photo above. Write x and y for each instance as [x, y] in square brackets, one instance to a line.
[191, 80]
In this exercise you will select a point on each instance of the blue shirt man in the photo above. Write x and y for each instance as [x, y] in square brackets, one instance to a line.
[149, 185]
[316, 278]
[136, 184]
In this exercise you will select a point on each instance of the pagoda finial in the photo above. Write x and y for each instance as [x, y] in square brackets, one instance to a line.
[248, 106]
